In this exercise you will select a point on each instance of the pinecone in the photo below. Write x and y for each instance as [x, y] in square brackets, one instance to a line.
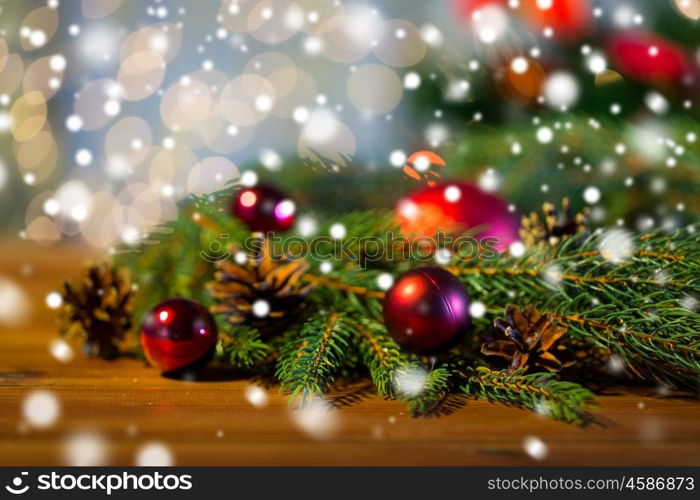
[97, 309]
[529, 339]
[554, 228]
[257, 290]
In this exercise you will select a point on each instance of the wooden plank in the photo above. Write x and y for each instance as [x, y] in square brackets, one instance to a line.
[212, 422]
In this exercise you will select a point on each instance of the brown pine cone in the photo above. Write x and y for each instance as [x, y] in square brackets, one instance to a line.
[554, 228]
[529, 339]
[258, 290]
[97, 309]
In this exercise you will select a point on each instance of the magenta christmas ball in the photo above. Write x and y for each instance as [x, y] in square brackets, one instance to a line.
[264, 209]
[427, 310]
[178, 334]
[457, 208]
[649, 57]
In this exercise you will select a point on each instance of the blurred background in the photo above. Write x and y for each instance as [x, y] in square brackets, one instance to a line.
[111, 111]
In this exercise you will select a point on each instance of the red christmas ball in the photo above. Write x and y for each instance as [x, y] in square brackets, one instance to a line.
[465, 8]
[455, 208]
[177, 334]
[264, 209]
[648, 57]
[568, 19]
[427, 310]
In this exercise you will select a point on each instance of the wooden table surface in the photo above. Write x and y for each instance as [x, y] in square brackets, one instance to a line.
[126, 405]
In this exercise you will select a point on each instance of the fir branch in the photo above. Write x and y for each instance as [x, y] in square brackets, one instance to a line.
[656, 340]
[637, 309]
[435, 386]
[388, 366]
[360, 226]
[356, 289]
[380, 354]
[634, 309]
[242, 347]
[310, 361]
[342, 286]
[539, 392]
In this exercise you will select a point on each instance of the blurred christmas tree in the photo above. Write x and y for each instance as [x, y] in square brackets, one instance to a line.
[555, 99]
[544, 100]
[591, 100]
[536, 99]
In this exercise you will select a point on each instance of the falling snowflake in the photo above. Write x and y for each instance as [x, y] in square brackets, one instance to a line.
[410, 382]
[616, 245]
[535, 447]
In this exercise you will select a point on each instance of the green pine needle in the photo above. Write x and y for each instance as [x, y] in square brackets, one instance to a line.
[242, 347]
[640, 310]
[380, 354]
[539, 392]
[309, 361]
[431, 387]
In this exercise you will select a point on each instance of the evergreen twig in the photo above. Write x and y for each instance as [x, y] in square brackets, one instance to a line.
[309, 362]
[539, 392]
[638, 310]
[242, 347]
[380, 354]
[434, 388]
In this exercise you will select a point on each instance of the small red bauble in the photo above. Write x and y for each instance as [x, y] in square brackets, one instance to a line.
[264, 209]
[648, 57]
[568, 19]
[177, 334]
[465, 9]
[427, 310]
[456, 208]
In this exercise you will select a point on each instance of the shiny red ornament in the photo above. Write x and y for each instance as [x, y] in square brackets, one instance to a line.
[648, 57]
[264, 209]
[456, 208]
[568, 19]
[178, 334]
[427, 310]
[465, 8]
